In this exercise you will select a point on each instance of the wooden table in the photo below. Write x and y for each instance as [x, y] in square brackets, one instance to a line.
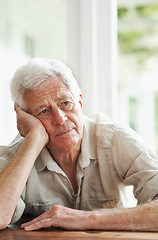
[14, 232]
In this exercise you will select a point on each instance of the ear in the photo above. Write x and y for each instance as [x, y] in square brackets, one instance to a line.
[80, 101]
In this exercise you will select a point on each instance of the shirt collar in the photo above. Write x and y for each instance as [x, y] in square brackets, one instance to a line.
[44, 160]
[88, 146]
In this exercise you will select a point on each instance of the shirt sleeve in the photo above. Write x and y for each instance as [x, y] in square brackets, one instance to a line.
[135, 164]
[18, 211]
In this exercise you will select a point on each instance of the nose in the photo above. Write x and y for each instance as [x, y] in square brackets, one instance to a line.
[58, 117]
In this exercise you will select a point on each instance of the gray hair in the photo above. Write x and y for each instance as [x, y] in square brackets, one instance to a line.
[35, 72]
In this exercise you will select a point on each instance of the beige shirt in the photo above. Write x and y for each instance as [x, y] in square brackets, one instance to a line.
[111, 158]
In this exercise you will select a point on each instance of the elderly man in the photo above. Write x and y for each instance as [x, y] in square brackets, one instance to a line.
[65, 167]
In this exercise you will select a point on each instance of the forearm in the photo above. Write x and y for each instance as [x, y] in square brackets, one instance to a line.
[15, 175]
[140, 218]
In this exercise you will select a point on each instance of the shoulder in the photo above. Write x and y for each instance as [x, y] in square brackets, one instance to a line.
[109, 132]
[7, 152]
[105, 126]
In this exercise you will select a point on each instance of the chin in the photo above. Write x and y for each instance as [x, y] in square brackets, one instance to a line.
[68, 145]
[65, 143]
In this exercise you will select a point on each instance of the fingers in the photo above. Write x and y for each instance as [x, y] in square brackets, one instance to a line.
[35, 220]
[17, 108]
[47, 219]
[32, 221]
[33, 225]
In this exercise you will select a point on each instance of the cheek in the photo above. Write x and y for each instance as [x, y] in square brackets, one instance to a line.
[79, 124]
[46, 124]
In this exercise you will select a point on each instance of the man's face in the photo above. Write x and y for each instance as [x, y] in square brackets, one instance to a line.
[54, 105]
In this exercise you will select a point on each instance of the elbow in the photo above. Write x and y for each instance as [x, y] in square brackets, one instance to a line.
[3, 225]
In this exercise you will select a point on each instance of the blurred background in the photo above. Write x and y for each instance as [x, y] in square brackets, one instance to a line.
[110, 45]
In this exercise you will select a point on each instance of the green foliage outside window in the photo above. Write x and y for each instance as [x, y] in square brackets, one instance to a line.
[138, 39]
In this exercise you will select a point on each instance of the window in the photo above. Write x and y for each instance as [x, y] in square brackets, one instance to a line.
[28, 28]
[137, 65]
[29, 44]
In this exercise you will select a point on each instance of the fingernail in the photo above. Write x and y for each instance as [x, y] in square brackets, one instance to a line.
[27, 228]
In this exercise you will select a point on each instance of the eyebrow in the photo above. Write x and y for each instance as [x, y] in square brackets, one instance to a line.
[63, 97]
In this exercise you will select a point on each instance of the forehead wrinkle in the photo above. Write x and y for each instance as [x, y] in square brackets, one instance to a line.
[42, 95]
[63, 96]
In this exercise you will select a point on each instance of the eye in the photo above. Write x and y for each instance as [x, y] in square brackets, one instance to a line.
[66, 105]
[43, 111]
[43, 114]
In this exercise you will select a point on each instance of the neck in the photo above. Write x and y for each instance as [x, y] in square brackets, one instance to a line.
[66, 157]
[67, 161]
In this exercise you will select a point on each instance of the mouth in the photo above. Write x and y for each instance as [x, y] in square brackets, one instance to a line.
[64, 132]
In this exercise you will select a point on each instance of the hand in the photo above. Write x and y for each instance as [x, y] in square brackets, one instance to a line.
[26, 123]
[59, 216]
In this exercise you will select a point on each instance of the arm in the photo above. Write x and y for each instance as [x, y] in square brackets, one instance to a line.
[15, 174]
[140, 218]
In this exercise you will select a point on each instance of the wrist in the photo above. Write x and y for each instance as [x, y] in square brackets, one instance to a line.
[38, 137]
[99, 220]
[92, 220]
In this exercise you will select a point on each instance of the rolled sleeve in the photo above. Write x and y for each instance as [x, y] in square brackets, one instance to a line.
[149, 193]
[135, 164]
[3, 163]
[143, 175]
[18, 211]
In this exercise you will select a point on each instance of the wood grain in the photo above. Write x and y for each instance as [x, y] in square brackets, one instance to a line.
[57, 234]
